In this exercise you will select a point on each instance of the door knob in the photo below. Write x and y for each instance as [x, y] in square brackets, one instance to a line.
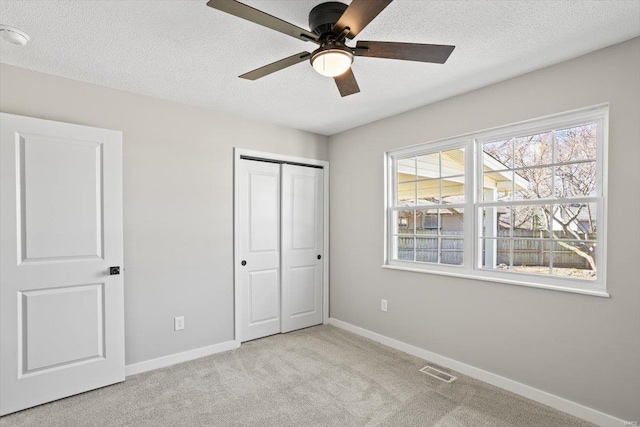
[319, 256]
[114, 271]
[243, 263]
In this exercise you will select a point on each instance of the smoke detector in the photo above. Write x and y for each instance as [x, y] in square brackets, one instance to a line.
[14, 35]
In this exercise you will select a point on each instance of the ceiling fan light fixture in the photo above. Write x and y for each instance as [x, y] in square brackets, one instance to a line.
[332, 62]
[333, 24]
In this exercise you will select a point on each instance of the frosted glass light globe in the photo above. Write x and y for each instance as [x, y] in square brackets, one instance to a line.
[332, 63]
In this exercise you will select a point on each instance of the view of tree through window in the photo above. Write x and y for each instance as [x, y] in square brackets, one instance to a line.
[557, 237]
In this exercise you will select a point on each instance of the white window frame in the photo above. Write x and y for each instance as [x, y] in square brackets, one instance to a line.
[472, 144]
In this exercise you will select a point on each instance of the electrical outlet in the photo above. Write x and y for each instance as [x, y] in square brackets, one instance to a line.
[383, 305]
[178, 323]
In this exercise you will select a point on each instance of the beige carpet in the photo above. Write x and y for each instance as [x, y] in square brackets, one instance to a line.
[322, 376]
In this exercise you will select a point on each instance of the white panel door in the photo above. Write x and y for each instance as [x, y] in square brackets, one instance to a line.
[259, 241]
[61, 311]
[302, 246]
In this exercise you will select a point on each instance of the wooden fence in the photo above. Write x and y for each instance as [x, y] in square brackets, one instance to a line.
[528, 250]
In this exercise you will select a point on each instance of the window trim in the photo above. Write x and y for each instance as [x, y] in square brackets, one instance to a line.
[473, 201]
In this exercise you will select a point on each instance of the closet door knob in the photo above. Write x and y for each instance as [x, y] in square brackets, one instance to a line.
[319, 256]
[243, 263]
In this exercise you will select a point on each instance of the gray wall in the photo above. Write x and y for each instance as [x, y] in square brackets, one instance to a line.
[178, 200]
[583, 348]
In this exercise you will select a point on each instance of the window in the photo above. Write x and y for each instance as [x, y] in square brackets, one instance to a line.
[429, 207]
[522, 204]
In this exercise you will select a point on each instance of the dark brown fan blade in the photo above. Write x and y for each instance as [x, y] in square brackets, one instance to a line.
[347, 84]
[276, 66]
[358, 15]
[243, 11]
[406, 51]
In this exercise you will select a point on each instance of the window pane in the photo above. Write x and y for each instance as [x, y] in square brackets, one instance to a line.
[427, 222]
[403, 222]
[574, 259]
[428, 192]
[404, 248]
[453, 190]
[406, 194]
[531, 221]
[534, 183]
[451, 222]
[495, 254]
[576, 180]
[426, 249]
[496, 221]
[533, 150]
[531, 256]
[497, 185]
[577, 143]
[451, 251]
[406, 169]
[429, 166]
[498, 155]
[452, 162]
[575, 221]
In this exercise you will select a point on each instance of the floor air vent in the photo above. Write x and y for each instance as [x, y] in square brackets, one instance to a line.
[436, 373]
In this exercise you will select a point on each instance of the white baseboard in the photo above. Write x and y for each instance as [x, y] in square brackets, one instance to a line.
[559, 403]
[162, 362]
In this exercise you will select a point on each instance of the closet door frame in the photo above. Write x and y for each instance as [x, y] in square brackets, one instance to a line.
[238, 153]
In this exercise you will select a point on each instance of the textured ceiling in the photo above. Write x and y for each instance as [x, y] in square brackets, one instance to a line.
[187, 52]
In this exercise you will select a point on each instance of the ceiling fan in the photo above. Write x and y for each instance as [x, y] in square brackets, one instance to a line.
[332, 23]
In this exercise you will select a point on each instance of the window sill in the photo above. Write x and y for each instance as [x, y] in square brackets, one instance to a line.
[592, 292]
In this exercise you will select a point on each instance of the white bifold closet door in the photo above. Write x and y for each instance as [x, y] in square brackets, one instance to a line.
[259, 241]
[302, 246]
[281, 246]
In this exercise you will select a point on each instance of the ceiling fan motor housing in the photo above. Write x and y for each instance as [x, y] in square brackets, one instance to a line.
[323, 17]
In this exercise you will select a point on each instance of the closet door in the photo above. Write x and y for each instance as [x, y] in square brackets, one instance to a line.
[259, 240]
[302, 246]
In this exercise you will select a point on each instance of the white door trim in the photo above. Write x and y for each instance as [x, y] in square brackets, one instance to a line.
[237, 153]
